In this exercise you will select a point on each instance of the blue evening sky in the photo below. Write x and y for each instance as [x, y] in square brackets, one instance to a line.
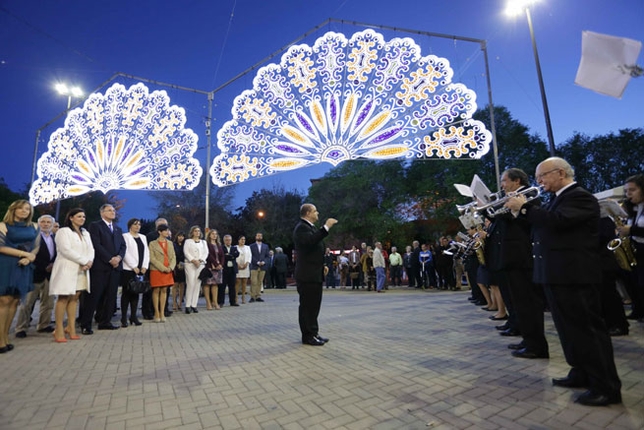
[203, 44]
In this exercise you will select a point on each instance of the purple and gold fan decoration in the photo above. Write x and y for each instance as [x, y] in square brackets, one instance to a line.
[125, 139]
[344, 99]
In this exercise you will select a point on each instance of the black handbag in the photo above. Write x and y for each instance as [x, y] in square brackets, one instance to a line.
[205, 274]
[138, 285]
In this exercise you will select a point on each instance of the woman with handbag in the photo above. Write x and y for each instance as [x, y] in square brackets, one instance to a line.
[196, 254]
[162, 263]
[70, 273]
[214, 263]
[135, 263]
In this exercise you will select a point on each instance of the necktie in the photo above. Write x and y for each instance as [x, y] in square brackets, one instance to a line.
[110, 226]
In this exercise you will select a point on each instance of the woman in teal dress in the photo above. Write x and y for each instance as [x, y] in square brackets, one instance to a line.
[18, 248]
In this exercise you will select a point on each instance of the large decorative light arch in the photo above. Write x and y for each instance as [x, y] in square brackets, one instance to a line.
[125, 139]
[343, 99]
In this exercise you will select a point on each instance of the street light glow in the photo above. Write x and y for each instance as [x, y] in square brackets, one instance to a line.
[64, 90]
[516, 7]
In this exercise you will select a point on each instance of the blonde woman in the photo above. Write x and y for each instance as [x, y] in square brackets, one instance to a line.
[243, 263]
[195, 251]
[70, 274]
[162, 263]
[19, 240]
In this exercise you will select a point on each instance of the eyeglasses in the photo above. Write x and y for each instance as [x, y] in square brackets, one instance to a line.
[541, 175]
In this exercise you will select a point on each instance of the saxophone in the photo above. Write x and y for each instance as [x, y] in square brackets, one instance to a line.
[479, 246]
[622, 249]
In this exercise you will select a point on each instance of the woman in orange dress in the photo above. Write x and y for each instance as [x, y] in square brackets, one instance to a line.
[162, 263]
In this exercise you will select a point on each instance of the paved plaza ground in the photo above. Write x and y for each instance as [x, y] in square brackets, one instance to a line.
[406, 359]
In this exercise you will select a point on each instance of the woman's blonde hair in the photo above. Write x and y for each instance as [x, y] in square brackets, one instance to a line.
[9, 217]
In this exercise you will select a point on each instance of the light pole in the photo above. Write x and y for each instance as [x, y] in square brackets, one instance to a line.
[514, 8]
[70, 92]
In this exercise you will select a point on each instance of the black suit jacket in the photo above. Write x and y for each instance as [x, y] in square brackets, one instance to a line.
[230, 256]
[106, 245]
[566, 238]
[43, 259]
[309, 248]
[508, 244]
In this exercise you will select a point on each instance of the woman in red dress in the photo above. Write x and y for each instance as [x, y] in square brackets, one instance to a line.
[162, 263]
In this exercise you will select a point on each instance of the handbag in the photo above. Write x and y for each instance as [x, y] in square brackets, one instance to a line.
[205, 274]
[138, 285]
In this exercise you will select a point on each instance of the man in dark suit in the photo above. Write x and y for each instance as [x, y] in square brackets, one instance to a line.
[229, 274]
[566, 262]
[310, 271]
[105, 273]
[42, 271]
[259, 255]
[280, 263]
[510, 256]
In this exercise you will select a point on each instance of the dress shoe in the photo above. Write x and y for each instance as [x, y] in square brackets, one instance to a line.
[314, 341]
[9, 347]
[495, 318]
[21, 334]
[108, 327]
[323, 339]
[502, 327]
[148, 317]
[6, 349]
[510, 332]
[480, 303]
[618, 331]
[259, 299]
[519, 345]
[592, 398]
[194, 310]
[234, 304]
[123, 324]
[568, 382]
[48, 329]
[489, 309]
[252, 300]
[135, 321]
[87, 331]
[167, 314]
[188, 311]
[471, 299]
[525, 353]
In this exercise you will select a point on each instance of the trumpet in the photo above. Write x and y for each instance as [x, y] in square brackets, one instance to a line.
[497, 207]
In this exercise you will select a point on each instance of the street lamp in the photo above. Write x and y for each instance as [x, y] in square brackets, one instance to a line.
[515, 7]
[70, 92]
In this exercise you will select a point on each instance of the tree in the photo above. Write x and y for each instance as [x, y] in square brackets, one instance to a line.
[7, 196]
[272, 212]
[90, 202]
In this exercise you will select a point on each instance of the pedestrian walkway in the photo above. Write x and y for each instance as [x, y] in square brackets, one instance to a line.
[406, 359]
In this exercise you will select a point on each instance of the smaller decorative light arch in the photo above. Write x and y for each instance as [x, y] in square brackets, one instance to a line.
[125, 139]
[343, 99]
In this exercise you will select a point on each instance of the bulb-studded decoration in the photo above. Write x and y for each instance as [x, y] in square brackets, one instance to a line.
[345, 99]
[126, 139]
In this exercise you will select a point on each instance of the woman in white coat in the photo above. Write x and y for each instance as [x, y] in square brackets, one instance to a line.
[70, 274]
[195, 251]
[243, 265]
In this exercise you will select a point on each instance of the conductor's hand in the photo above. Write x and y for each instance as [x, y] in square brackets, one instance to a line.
[330, 223]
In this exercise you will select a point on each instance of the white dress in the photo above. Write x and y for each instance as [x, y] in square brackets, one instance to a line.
[72, 253]
[244, 257]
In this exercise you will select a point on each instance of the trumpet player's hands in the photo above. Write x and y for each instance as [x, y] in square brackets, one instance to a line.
[624, 230]
[515, 203]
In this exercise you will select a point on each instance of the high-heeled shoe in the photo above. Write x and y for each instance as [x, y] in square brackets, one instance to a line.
[62, 340]
[74, 337]
[135, 321]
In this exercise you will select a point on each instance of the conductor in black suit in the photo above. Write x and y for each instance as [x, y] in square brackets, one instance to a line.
[109, 245]
[310, 271]
[567, 263]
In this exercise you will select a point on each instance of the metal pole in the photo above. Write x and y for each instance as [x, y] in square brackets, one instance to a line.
[208, 142]
[495, 147]
[544, 101]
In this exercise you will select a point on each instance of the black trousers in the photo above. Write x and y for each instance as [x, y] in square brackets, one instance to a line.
[229, 279]
[504, 288]
[527, 305]
[102, 299]
[309, 310]
[576, 312]
[128, 299]
[612, 306]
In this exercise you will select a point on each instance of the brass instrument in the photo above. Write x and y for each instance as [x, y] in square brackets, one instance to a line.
[497, 207]
[622, 249]
[478, 245]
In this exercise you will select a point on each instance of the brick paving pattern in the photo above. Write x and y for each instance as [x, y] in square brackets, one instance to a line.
[406, 359]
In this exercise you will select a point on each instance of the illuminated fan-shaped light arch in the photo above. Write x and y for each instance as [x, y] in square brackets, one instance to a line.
[125, 139]
[345, 99]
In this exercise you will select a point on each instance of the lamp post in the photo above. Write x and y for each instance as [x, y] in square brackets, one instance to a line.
[70, 92]
[514, 8]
